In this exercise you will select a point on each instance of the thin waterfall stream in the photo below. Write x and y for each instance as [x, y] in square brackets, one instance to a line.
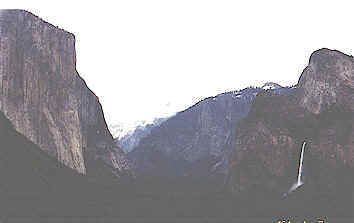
[299, 175]
[300, 171]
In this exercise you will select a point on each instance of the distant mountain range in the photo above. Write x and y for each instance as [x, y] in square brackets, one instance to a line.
[128, 136]
[197, 141]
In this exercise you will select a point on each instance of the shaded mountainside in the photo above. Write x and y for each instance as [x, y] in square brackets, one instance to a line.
[319, 111]
[34, 183]
[196, 142]
[45, 98]
[35, 187]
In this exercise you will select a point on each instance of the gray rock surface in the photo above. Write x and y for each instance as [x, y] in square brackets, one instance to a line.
[194, 142]
[45, 98]
[327, 80]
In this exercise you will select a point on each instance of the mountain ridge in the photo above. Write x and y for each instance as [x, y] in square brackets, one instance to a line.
[168, 146]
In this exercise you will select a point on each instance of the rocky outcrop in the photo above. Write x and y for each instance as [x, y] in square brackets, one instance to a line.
[327, 80]
[319, 111]
[45, 98]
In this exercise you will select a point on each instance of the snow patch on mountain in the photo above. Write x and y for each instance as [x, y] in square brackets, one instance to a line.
[271, 86]
[128, 137]
[121, 130]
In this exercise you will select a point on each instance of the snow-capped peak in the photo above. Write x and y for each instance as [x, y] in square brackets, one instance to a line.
[121, 129]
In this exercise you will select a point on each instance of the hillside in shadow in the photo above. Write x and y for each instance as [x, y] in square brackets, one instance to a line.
[35, 186]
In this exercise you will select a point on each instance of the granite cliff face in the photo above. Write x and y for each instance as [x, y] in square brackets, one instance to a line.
[45, 98]
[319, 111]
[326, 81]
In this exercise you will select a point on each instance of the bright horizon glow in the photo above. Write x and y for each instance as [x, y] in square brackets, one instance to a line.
[148, 59]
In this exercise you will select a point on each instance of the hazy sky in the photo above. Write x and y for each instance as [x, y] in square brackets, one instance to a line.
[145, 59]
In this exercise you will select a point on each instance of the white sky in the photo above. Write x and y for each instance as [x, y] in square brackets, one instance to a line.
[145, 59]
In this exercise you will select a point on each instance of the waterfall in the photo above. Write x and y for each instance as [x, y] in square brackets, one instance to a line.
[299, 175]
[299, 182]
